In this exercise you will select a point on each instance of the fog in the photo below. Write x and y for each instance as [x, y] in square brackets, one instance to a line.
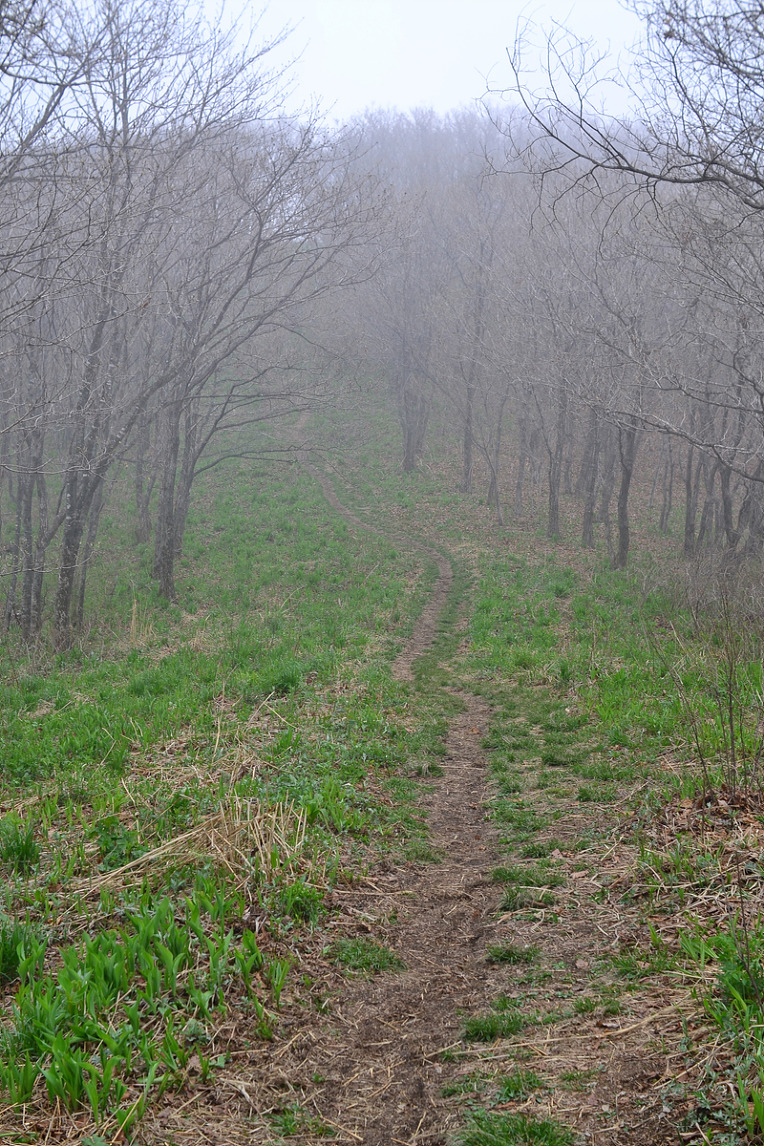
[576, 300]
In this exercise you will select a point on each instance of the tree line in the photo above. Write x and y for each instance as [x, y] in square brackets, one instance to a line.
[578, 298]
[163, 224]
[581, 295]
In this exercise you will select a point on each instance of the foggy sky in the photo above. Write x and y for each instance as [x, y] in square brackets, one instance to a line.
[356, 54]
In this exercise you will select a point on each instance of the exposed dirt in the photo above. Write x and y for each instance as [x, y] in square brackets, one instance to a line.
[382, 1060]
[381, 1056]
[368, 1059]
[382, 1052]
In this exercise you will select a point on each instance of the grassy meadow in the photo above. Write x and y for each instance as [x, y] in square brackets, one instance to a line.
[182, 790]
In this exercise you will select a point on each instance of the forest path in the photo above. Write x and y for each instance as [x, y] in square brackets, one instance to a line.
[426, 627]
[379, 1058]
[376, 1071]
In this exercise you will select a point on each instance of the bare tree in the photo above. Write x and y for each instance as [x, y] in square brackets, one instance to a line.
[183, 216]
[696, 88]
[691, 149]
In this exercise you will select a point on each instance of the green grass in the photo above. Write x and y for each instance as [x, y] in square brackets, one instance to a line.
[628, 691]
[502, 1021]
[593, 676]
[489, 1027]
[17, 941]
[19, 849]
[525, 898]
[578, 1080]
[511, 953]
[420, 851]
[364, 956]
[541, 849]
[487, 1128]
[528, 875]
[268, 686]
[518, 1085]
[469, 1085]
[265, 689]
[639, 962]
[294, 1121]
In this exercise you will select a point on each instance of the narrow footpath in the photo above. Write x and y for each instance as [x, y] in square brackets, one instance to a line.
[379, 1057]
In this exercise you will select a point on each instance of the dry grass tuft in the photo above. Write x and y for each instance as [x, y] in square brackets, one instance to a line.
[239, 836]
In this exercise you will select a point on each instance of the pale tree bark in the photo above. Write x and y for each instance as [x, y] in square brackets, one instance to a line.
[555, 445]
[197, 220]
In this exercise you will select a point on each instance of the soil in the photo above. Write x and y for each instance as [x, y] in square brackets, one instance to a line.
[383, 1063]
[381, 1055]
[382, 1060]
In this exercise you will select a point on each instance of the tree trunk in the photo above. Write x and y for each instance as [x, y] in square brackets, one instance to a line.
[706, 527]
[668, 491]
[606, 494]
[10, 611]
[187, 474]
[751, 516]
[592, 481]
[567, 465]
[627, 451]
[41, 550]
[591, 447]
[493, 458]
[731, 534]
[522, 462]
[87, 552]
[494, 498]
[144, 481]
[467, 440]
[413, 414]
[555, 473]
[74, 524]
[691, 486]
[164, 536]
[555, 465]
[26, 492]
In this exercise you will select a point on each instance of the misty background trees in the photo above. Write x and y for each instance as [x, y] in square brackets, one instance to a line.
[164, 224]
[573, 302]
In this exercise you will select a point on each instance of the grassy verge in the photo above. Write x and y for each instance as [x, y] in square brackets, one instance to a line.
[181, 792]
[626, 750]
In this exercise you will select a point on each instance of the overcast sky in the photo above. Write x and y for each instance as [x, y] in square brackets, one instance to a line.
[356, 54]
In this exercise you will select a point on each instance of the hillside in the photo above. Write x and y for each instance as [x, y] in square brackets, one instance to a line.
[396, 827]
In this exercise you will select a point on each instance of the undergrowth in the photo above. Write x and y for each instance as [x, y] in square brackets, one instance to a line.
[190, 777]
[182, 790]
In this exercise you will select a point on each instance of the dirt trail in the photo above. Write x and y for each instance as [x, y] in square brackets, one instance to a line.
[366, 1056]
[373, 1067]
[426, 628]
[380, 1056]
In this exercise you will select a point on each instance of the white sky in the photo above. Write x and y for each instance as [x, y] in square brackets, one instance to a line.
[356, 54]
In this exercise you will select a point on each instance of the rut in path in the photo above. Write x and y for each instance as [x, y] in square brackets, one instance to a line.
[380, 1056]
